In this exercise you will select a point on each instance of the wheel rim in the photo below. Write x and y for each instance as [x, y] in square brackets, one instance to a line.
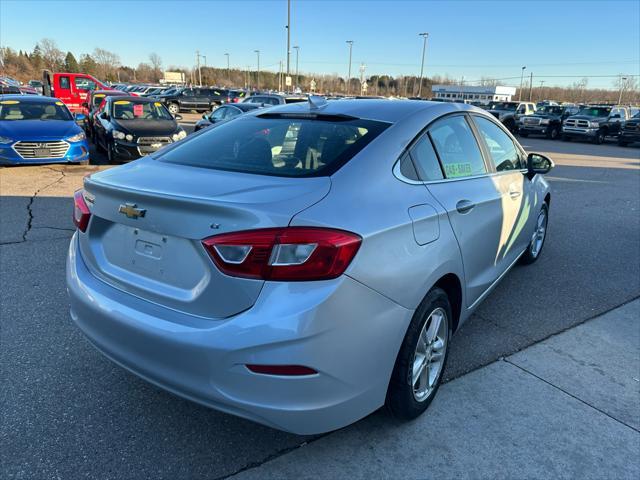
[173, 109]
[429, 355]
[554, 133]
[538, 236]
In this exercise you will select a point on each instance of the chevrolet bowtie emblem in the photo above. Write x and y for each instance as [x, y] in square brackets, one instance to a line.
[130, 210]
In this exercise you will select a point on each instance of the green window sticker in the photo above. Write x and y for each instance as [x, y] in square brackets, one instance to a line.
[456, 170]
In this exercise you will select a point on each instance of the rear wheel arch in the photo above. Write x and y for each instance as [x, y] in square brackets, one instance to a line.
[451, 284]
[547, 199]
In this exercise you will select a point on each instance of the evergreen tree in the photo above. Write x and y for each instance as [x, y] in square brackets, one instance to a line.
[71, 64]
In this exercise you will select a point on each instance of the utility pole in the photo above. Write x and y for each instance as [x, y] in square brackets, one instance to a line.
[228, 69]
[530, 85]
[424, 35]
[362, 69]
[248, 78]
[462, 88]
[623, 81]
[350, 42]
[297, 49]
[258, 72]
[541, 90]
[521, 79]
[280, 76]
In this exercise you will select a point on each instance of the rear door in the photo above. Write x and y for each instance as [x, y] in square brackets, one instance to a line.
[449, 159]
[188, 98]
[508, 165]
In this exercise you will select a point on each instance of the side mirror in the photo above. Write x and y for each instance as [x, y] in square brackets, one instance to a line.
[85, 104]
[80, 117]
[538, 164]
[204, 116]
[104, 116]
[177, 117]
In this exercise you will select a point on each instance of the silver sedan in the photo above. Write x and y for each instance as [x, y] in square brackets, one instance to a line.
[303, 266]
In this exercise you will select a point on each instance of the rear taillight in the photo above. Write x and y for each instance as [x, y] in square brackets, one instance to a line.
[286, 254]
[81, 212]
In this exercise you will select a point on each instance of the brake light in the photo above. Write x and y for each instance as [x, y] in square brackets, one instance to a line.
[285, 254]
[81, 212]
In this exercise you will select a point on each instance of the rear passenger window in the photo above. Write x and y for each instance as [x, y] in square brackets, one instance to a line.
[425, 159]
[504, 154]
[457, 148]
[64, 82]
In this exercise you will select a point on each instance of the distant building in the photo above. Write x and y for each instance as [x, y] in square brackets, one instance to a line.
[473, 94]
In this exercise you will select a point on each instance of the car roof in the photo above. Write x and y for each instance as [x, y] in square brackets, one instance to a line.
[131, 98]
[30, 98]
[108, 92]
[244, 106]
[389, 111]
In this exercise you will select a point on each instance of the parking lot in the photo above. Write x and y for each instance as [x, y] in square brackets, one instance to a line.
[67, 411]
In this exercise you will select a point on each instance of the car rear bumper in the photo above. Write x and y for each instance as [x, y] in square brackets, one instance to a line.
[77, 152]
[347, 332]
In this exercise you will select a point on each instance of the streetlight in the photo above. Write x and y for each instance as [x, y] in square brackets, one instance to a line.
[258, 72]
[623, 81]
[350, 42]
[288, 34]
[521, 79]
[297, 49]
[228, 69]
[424, 35]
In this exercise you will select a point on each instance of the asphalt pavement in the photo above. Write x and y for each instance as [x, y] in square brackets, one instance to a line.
[67, 412]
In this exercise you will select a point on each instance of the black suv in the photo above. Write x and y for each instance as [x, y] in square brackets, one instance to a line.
[546, 121]
[200, 99]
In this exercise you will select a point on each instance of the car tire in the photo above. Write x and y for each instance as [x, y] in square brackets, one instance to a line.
[511, 126]
[84, 162]
[599, 138]
[409, 395]
[173, 108]
[533, 251]
[554, 133]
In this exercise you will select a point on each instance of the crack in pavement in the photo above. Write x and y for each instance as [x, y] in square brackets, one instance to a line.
[32, 199]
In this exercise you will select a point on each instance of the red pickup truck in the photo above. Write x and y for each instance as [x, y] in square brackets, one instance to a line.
[71, 88]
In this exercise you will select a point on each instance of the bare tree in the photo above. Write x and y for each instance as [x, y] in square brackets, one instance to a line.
[156, 64]
[51, 54]
[107, 63]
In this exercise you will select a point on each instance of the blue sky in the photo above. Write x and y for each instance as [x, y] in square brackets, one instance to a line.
[466, 38]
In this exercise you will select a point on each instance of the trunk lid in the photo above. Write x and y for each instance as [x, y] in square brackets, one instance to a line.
[158, 256]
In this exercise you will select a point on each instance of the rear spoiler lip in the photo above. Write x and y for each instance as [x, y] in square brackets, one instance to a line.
[335, 117]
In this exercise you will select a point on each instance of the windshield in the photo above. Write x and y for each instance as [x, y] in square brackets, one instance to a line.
[130, 110]
[16, 110]
[504, 106]
[595, 111]
[97, 99]
[550, 110]
[290, 147]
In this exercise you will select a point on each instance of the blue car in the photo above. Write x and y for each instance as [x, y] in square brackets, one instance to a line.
[36, 129]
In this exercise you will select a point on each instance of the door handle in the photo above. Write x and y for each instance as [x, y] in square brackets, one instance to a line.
[515, 193]
[464, 206]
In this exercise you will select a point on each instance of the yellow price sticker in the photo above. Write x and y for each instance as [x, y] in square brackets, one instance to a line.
[122, 102]
[99, 95]
[9, 102]
[157, 104]
[60, 104]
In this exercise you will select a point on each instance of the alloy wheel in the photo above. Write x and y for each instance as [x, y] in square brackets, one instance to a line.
[538, 236]
[429, 355]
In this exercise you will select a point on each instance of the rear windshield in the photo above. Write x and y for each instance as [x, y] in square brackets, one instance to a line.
[595, 111]
[290, 147]
[17, 110]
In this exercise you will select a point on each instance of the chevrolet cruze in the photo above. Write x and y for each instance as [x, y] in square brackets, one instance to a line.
[304, 265]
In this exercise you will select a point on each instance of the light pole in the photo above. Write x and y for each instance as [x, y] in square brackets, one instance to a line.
[521, 79]
[228, 69]
[350, 42]
[297, 49]
[258, 72]
[198, 63]
[424, 35]
[623, 81]
[288, 34]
